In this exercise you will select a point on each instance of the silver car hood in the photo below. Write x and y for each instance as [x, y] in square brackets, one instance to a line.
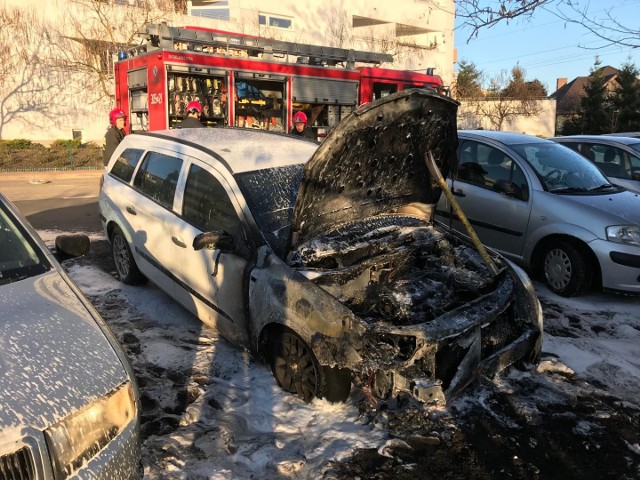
[374, 161]
[623, 205]
[50, 348]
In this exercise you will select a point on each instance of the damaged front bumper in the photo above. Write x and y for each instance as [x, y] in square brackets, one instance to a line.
[433, 362]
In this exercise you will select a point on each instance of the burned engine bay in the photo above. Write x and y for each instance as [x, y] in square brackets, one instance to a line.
[395, 269]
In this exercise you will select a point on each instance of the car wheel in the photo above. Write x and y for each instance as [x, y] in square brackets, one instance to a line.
[566, 269]
[297, 371]
[125, 264]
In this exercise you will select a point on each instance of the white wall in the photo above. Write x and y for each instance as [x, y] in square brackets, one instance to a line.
[542, 124]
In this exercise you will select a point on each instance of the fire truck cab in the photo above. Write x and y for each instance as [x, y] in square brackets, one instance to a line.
[248, 81]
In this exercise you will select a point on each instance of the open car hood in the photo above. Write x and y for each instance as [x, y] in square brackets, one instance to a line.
[374, 161]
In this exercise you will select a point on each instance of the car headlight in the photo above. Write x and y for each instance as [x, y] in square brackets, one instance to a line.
[79, 437]
[627, 234]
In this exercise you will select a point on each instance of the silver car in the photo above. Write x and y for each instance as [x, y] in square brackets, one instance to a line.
[323, 260]
[68, 397]
[617, 156]
[547, 208]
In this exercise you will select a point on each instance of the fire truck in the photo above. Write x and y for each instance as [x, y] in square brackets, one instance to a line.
[249, 81]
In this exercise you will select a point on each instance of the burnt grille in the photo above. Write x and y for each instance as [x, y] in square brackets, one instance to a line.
[500, 333]
[17, 465]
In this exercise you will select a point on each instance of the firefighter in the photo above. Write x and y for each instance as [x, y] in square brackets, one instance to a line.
[300, 127]
[115, 133]
[192, 120]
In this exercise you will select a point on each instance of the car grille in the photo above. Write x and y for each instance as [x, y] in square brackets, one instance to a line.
[17, 465]
[500, 333]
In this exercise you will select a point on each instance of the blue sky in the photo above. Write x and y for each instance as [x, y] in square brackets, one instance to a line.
[546, 47]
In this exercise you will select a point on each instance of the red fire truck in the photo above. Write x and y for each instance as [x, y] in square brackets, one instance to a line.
[248, 81]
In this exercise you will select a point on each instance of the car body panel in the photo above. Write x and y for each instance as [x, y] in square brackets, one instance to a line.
[375, 161]
[297, 223]
[42, 315]
[617, 156]
[544, 215]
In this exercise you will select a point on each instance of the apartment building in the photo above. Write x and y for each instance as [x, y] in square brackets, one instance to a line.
[61, 86]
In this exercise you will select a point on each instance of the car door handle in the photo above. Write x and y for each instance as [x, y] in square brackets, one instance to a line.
[216, 260]
[178, 241]
[131, 210]
[458, 193]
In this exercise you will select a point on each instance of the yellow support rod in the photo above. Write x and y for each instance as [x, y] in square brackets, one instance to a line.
[435, 172]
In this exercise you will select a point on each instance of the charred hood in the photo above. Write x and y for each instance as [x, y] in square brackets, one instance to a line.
[374, 162]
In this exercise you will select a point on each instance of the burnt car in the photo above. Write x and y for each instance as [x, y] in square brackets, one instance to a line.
[323, 260]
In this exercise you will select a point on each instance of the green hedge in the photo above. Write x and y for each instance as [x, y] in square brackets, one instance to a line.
[23, 155]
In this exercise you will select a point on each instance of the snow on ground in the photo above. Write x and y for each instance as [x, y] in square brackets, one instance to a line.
[229, 419]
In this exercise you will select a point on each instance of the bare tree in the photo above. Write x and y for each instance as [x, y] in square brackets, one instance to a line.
[605, 26]
[339, 30]
[28, 84]
[507, 97]
[91, 34]
[479, 14]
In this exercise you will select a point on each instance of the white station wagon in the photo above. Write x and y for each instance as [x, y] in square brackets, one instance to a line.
[322, 260]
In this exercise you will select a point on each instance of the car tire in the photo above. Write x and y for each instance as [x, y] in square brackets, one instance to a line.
[297, 371]
[566, 269]
[126, 267]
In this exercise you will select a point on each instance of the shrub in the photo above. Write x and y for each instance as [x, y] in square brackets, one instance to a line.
[16, 144]
[64, 143]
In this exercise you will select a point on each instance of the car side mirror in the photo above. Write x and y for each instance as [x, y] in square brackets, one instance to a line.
[212, 240]
[635, 175]
[71, 246]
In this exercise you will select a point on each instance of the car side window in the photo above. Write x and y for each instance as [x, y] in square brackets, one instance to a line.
[610, 160]
[158, 176]
[489, 167]
[207, 204]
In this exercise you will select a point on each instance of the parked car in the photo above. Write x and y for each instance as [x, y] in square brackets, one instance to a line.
[322, 260]
[549, 209]
[617, 156]
[624, 134]
[68, 398]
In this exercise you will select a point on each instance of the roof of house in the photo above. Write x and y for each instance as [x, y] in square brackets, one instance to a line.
[568, 96]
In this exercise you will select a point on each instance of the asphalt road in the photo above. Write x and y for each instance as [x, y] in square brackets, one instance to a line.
[66, 201]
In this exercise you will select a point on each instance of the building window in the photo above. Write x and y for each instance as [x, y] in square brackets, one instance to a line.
[276, 21]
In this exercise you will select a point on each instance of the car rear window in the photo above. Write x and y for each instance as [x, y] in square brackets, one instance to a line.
[20, 255]
[126, 163]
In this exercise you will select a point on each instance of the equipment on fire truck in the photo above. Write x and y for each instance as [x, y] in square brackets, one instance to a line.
[248, 81]
[162, 36]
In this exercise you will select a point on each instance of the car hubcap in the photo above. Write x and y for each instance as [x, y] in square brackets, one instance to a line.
[120, 256]
[295, 369]
[557, 268]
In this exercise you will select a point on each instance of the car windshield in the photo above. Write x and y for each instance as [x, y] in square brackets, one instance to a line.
[20, 256]
[271, 197]
[561, 170]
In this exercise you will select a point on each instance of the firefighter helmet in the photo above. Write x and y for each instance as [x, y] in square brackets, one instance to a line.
[194, 105]
[115, 114]
[300, 117]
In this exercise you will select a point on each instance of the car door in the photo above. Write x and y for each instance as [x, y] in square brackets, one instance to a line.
[494, 193]
[149, 212]
[211, 281]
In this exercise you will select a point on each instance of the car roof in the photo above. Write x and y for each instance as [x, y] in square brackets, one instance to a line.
[506, 138]
[242, 149]
[609, 139]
